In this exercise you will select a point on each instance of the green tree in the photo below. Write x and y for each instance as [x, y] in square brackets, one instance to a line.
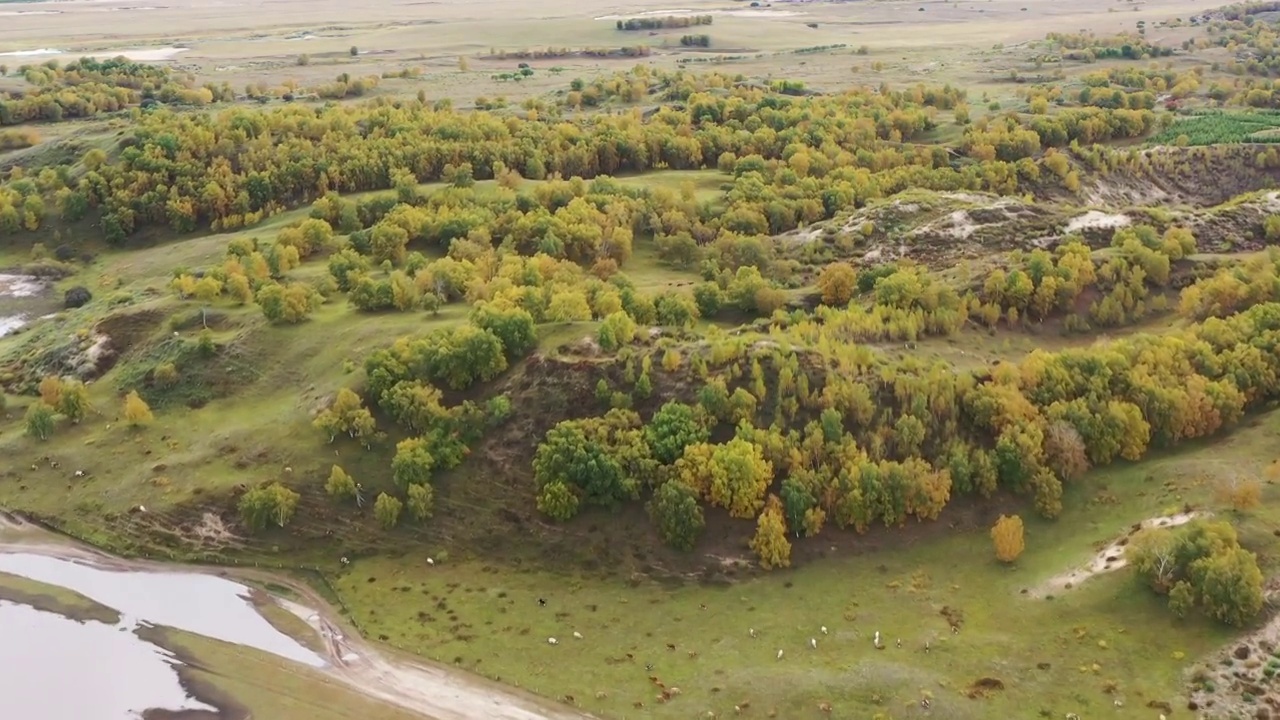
[513, 326]
[421, 501]
[347, 415]
[557, 501]
[340, 485]
[268, 504]
[677, 515]
[672, 428]
[386, 509]
[39, 420]
[1230, 585]
[73, 403]
[413, 463]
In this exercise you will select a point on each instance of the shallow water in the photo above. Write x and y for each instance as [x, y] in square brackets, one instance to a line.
[115, 674]
[197, 603]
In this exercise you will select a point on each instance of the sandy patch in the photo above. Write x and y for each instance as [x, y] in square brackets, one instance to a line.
[31, 53]
[1110, 558]
[1097, 220]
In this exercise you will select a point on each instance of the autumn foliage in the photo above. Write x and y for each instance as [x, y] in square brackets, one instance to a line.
[1006, 535]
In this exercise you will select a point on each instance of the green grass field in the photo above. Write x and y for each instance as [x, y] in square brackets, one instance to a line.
[1109, 639]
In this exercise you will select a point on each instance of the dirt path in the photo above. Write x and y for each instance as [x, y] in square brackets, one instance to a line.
[436, 692]
[1109, 558]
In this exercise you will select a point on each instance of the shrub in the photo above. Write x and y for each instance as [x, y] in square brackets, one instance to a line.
[76, 297]
[1007, 538]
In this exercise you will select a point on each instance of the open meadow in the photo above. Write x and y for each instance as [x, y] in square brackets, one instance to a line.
[877, 359]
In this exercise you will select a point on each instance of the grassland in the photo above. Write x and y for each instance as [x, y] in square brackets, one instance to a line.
[1106, 640]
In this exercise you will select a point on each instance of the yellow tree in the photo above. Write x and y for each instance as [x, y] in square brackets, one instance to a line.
[51, 390]
[837, 282]
[1007, 537]
[136, 410]
[770, 543]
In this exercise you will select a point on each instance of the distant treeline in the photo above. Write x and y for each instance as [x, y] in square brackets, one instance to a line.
[662, 23]
[550, 53]
[696, 41]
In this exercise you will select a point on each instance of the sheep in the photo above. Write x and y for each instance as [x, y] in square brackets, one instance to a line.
[1072, 716]
[751, 632]
[552, 641]
[431, 561]
[1118, 703]
[779, 654]
[955, 629]
[79, 473]
[899, 643]
[288, 469]
[344, 560]
[876, 640]
[577, 635]
[674, 691]
[813, 643]
[824, 707]
[924, 703]
[926, 646]
[823, 629]
[142, 508]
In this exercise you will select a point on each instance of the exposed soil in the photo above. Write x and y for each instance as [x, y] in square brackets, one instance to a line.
[1240, 680]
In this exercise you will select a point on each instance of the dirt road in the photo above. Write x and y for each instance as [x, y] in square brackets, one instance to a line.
[436, 692]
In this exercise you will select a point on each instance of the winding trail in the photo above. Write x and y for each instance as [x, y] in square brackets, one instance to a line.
[434, 691]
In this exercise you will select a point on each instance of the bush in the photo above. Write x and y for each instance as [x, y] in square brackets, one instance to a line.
[77, 296]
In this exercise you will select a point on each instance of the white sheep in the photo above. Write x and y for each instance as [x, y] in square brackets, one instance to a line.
[431, 561]
[813, 643]
[79, 473]
[577, 635]
[877, 639]
[552, 641]
[779, 654]
[751, 632]
[823, 629]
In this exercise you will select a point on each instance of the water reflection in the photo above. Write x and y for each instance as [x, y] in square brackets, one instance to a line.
[197, 603]
[55, 668]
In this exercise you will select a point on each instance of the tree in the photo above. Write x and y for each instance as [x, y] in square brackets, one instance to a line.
[136, 411]
[734, 475]
[340, 484]
[675, 511]
[672, 428]
[347, 414]
[1006, 535]
[513, 326]
[557, 501]
[386, 509]
[413, 463]
[1241, 495]
[421, 501]
[837, 281]
[268, 504]
[1230, 585]
[770, 542]
[74, 401]
[39, 420]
